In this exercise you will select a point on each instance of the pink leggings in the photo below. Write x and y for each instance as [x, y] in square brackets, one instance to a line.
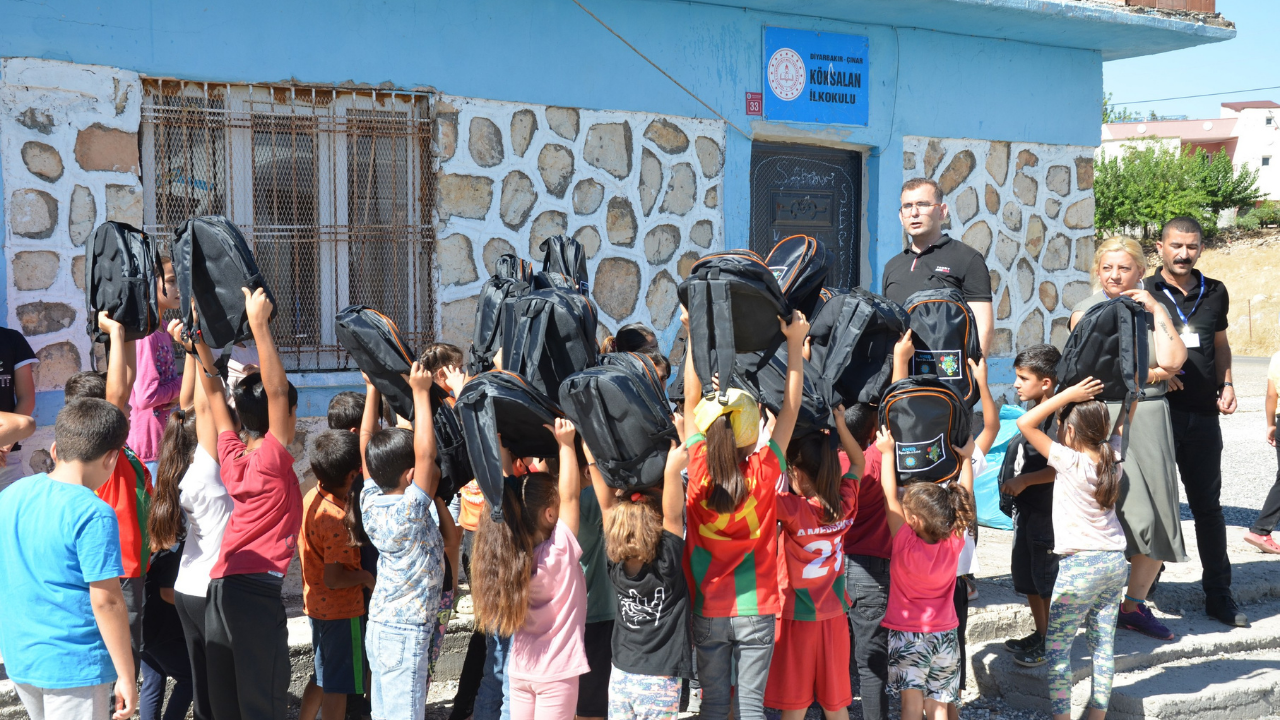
[544, 700]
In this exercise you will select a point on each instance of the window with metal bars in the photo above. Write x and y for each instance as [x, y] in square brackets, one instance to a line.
[332, 187]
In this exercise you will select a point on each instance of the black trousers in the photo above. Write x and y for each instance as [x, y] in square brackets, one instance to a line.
[961, 600]
[246, 649]
[867, 583]
[191, 612]
[1270, 513]
[464, 701]
[1197, 438]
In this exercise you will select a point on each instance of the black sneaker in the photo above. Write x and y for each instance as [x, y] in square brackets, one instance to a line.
[1033, 656]
[1020, 644]
[1224, 610]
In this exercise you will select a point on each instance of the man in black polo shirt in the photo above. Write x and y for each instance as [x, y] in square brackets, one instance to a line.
[17, 395]
[935, 261]
[1196, 396]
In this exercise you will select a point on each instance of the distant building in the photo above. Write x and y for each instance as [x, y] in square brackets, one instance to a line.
[1249, 132]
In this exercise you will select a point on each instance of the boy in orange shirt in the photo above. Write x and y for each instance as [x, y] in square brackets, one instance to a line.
[332, 580]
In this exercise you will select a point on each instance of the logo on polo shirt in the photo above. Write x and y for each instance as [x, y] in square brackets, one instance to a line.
[942, 268]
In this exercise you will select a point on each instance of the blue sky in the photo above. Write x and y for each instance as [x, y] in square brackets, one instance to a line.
[1248, 61]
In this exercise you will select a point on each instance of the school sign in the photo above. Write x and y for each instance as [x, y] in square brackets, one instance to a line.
[815, 77]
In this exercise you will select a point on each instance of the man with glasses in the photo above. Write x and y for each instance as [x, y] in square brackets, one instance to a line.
[935, 261]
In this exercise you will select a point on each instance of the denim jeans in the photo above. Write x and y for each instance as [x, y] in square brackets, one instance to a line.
[867, 583]
[159, 663]
[723, 643]
[398, 658]
[493, 699]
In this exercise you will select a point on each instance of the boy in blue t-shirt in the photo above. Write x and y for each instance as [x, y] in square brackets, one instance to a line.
[65, 636]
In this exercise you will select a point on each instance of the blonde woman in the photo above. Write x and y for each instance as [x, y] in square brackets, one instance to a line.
[1148, 506]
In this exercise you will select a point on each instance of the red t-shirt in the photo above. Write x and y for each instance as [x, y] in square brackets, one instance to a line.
[869, 534]
[731, 559]
[924, 581]
[128, 492]
[811, 573]
[263, 530]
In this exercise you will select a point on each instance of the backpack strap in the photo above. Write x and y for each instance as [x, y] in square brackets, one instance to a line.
[1129, 347]
[850, 325]
[701, 335]
[480, 427]
[725, 351]
[181, 258]
[529, 345]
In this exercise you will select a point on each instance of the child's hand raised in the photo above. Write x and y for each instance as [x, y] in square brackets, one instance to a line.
[677, 457]
[884, 440]
[1082, 391]
[797, 329]
[564, 431]
[965, 452]
[454, 379]
[904, 349]
[979, 370]
[257, 306]
[109, 326]
[418, 378]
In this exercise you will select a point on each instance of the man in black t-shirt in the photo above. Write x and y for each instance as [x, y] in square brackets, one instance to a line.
[935, 261]
[17, 394]
[1196, 396]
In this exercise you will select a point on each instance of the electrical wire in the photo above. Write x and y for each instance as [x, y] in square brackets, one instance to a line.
[659, 69]
[1188, 97]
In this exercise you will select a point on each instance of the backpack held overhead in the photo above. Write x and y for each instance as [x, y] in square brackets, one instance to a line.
[945, 334]
[451, 447]
[374, 343]
[1109, 343]
[565, 256]
[213, 262]
[548, 335]
[928, 422]
[733, 302]
[852, 342]
[623, 420]
[499, 405]
[801, 264]
[120, 278]
[511, 280]
[764, 375]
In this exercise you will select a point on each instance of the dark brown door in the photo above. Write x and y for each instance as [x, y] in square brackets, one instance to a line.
[801, 190]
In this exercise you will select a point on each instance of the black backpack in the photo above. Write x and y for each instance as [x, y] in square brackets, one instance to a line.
[622, 420]
[213, 262]
[946, 337]
[733, 301]
[451, 447]
[825, 295]
[926, 420]
[1021, 458]
[801, 264]
[642, 366]
[548, 335]
[565, 256]
[765, 376]
[499, 291]
[120, 278]
[1109, 343]
[501, 404]
[374, 343]
[852, 341]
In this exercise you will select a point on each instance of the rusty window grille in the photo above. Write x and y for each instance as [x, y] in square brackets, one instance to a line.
[333, 188]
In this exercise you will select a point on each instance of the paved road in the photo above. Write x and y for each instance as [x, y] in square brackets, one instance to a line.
[1248, 462]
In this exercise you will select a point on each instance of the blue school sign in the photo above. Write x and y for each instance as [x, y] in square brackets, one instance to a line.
[815, 77]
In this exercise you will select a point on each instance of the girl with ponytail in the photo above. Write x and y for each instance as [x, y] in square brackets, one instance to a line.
[811, 658]
[535, 590]
[1087, 535]
[928, 525]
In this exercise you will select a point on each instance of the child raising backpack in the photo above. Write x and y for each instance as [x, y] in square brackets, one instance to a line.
[1087, 535]
[731, 557]
[536, 592]
[928, 526]
[812, 654]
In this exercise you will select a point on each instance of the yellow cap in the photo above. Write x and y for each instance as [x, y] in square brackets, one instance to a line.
[743, 412]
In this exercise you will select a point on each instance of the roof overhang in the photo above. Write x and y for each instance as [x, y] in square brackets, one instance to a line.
[1117, 31]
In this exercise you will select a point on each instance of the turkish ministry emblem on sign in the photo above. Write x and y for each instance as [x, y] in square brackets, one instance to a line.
[786, 74]
[815, 77]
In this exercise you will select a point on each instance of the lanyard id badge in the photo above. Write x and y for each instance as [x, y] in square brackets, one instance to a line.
[1190, 337]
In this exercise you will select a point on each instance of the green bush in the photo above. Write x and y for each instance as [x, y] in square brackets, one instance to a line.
[1265, 215]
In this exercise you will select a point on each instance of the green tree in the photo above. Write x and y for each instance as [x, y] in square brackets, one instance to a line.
[1112, 114]
[1225, 186]
[1141, 188]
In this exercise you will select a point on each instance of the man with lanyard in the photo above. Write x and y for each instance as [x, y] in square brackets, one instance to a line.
[1196, 396]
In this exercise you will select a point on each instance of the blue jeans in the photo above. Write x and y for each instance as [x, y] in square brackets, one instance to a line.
[159, 663]
[723, 644]
[399, 659]
[493, 699]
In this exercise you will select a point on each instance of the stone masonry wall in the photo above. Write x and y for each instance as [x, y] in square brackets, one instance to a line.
[640, 191]
[69, 155]
[1028, 208]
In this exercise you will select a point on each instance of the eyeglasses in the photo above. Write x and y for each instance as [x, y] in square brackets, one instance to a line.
[923, 207]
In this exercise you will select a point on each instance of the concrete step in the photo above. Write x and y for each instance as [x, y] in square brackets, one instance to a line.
[1223, 687]
[1199, 639]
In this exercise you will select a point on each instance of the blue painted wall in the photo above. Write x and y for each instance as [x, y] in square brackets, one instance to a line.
[923, 82]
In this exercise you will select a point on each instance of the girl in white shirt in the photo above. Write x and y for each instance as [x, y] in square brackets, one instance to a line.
[1092, 572]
